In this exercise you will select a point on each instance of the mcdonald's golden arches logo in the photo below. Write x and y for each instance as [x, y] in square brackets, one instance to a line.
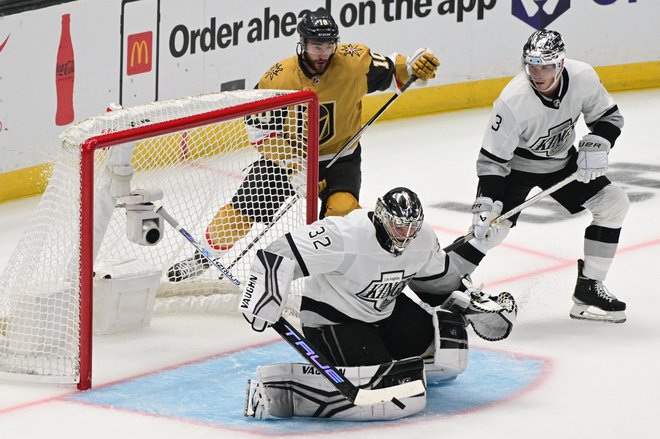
[139, 52]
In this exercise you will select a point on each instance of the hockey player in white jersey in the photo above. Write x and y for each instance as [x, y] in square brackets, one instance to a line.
[353, 310]
[529, 142]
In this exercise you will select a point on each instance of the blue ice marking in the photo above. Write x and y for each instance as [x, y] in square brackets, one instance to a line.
[213, 391]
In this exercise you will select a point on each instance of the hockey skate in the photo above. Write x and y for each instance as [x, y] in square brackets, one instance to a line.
[594, 302]
[188, 268]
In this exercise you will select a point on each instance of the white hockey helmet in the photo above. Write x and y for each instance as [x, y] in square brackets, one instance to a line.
[544, 47]
[398, 217]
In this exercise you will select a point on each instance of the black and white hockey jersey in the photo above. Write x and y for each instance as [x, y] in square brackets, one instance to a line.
[531, 133]
[350, 276]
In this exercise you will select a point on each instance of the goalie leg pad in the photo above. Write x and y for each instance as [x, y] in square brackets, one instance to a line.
[298, 390]
[267, 288]
[451, 346]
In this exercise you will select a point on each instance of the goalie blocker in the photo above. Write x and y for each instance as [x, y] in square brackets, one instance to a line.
[353, 312]
[288, 390]
[299, 390]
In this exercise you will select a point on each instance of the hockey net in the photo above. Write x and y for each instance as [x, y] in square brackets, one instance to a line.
[198, 151]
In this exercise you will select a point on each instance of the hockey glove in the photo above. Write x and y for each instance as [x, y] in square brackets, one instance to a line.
[592, 157]
[267, 289]
[491, 317]
[422, 64]
[484, 211]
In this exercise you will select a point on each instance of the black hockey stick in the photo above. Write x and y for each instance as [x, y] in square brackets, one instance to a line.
[465, 238]
[337, 156]
[166, 216]
[357, 135]
[289, 204]
[356, 395]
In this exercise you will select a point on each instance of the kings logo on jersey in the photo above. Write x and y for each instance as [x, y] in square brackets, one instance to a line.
[383, 291]
[555, 141]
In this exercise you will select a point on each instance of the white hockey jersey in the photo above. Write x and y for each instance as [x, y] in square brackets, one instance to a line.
[528, 132]
[352, 277]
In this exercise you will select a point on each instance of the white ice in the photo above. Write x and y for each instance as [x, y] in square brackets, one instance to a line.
[603, 382]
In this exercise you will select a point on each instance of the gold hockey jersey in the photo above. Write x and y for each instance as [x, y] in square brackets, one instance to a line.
[353, 72]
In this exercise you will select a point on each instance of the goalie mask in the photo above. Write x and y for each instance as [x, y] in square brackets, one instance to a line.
[543, 54]
[398, 217]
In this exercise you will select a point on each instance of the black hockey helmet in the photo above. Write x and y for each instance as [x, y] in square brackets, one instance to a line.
[398, 218]
[318, 25]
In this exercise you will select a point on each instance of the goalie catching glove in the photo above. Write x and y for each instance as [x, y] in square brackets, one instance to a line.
[491, 317]
[266, 289]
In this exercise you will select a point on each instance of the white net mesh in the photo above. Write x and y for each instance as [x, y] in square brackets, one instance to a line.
[233, 185]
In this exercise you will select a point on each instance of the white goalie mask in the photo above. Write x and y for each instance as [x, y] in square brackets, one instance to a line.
[544, 49]
[398, 218]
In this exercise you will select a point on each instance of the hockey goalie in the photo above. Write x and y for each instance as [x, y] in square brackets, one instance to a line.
[353, 311]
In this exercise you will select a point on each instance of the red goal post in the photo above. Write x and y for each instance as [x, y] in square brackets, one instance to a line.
[198, 151]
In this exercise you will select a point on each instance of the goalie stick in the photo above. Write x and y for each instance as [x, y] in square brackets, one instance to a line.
[354, 394]
[167, 217]
[357, 135]
[317, 360]
[289, 204]
[465, 238]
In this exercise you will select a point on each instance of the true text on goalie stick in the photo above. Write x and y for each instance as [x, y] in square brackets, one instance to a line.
[167, 217]
[356, 395]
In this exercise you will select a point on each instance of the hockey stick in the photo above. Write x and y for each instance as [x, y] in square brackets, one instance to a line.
[354, 394]
[465, 238]
[357, 135]
[162, 212]
[317, 360]
[289, 204]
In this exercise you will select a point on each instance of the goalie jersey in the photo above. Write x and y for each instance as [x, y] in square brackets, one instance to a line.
[353, 72]
[352, 277]
[531, 133]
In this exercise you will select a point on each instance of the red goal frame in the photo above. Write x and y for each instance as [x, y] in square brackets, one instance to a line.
[142, 132]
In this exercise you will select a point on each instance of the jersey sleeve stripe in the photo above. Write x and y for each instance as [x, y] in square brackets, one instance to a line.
[527, 154]
[435, 276]
[470, 254]
[492, 156]
[298, 256]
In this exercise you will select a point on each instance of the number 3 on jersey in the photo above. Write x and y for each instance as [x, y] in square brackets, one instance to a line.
[498, 122]
[317, 240]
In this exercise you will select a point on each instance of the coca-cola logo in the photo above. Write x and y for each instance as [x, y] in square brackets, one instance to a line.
[66, 68]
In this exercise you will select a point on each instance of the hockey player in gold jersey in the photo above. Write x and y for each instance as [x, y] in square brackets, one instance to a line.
[341, 75]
